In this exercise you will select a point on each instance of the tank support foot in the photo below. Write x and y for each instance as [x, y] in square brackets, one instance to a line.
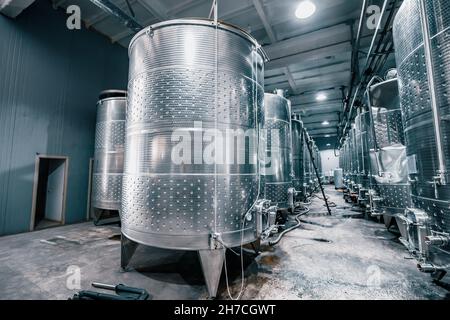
[127, 249]
[212, 264]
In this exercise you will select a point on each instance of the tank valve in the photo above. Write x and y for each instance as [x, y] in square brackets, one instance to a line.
[216, 241]
[426, 267]
[437, 240]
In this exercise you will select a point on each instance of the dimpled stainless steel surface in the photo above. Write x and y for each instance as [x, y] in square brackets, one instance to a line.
[353, 159]
[172, 86]
[297, 153]
[277, 171]
[361, 132]
[109, 151]
[416, 107]
[389, 163]
[307, 167]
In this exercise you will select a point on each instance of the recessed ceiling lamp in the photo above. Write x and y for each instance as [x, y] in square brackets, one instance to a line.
[327, 136]
[305, 9]
[325, 123]
[321, 97]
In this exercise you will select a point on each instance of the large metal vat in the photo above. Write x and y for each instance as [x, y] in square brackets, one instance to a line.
[423, 60]
[192, 84]
[277, 171]
[344, 163]
[298, 179]
[362, 129]
[109, 150]
[338, 178]
[354, 163]
[389, 170]
[307, 165]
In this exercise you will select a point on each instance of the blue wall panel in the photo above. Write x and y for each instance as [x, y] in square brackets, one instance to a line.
[50, 78]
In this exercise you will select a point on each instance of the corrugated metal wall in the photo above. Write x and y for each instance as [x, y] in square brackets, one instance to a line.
[50, 78]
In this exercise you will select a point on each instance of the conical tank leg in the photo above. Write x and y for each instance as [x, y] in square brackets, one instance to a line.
[127, 249]
[212, 264]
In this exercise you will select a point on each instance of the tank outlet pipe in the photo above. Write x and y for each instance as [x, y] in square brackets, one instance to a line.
[437, 240]
[441, 173]
[431, 268]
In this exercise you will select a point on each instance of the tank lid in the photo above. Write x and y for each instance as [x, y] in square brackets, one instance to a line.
[112, 93]
[204, 22]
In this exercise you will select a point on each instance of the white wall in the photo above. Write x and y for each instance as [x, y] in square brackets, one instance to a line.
[329, 161]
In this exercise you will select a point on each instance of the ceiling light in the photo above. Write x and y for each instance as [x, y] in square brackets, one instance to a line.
[327, 136]
[321, 97]
[325, 123]
[305, 9]
[328, 144]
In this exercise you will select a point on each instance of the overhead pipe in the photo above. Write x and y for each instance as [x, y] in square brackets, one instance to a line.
[355, 53]
[369, 63]
[114, 10]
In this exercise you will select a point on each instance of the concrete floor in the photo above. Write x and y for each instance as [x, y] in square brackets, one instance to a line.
[337, 257]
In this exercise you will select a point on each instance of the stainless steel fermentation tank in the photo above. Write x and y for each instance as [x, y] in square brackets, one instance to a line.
[390, 189]
[276, 173]
[362, 174]
[298, 144]
[422, 40]
[345, 164]
[191, 83]
[351, 165]
[354, 164]
[109, 150]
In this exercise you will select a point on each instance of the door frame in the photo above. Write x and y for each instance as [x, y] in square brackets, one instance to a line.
[35, 186]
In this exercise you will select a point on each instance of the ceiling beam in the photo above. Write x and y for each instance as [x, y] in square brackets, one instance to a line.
[322, 131]
[184, 5]
[262, 15]
[309, 100]
[291, 80]
[156, 8]
[102, 15]
[311, 112]
[273, 39]
[119, 36]
[310, 55]
[308, 41]
[327, 135]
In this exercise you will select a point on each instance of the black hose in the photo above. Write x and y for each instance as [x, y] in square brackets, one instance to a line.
[331, 204]
[297, 218]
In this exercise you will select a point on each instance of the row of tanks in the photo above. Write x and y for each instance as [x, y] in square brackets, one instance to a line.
[208, 160]
[395, 159]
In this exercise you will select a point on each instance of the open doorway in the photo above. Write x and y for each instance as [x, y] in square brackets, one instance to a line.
[49, 194]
